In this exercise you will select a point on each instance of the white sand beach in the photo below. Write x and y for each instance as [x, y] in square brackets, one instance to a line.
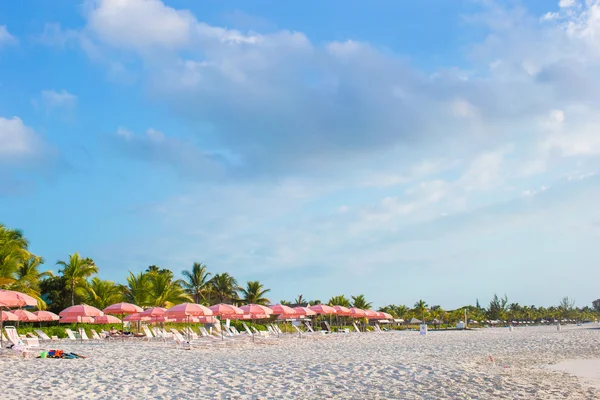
[390, 365]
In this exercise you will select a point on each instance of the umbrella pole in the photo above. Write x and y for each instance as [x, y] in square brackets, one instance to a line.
[221, 325]
[1, 334]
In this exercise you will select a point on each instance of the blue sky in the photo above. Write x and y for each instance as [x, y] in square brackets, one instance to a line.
[402, 150]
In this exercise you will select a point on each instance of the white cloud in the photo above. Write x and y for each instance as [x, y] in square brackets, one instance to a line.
[55, 36]
[140, 24]
[566, 3]
[58, 100]
[18, 142]
[5, 37]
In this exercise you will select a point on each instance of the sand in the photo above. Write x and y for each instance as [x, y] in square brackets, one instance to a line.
[398, 365]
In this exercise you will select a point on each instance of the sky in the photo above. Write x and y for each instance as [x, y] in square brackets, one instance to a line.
[433, 150]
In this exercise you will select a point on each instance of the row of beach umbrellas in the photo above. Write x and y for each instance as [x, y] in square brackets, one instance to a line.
[186, 312]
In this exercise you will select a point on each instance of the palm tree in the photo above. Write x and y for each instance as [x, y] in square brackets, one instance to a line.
[76, 271]
[165, 292]
[360, 302]
[300, 301]
[339, 301]
[13, 251]
[197, 282]
[420, 309]
[28, 277]
[254, 292]
[224, 288]
[137, 290]
[100, 293]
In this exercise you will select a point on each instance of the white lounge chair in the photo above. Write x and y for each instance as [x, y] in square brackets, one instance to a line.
[70, 334]
[83, 335]
[95, 335]
[43, 335]
[148, 334]
[27, 344]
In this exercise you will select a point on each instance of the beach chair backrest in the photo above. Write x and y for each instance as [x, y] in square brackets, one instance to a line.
[298, 330]
[147, 332]
[234, 330]
[13, 336]
[203, 332]
[95, 334]
[70, 334]
[248, 331]
[42, 334]
[309, 327]
[3, 337]
[83, 335]
[355, 327]
[277, 328]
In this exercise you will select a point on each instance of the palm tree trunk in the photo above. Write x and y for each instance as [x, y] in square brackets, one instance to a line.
[72, 292]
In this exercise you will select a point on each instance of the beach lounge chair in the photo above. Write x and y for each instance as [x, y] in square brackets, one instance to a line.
[4, 339]
[70, 334]
[300, 333]
[356, 327]
[178, 337]
[248, 331]
[26, 344]
[83, 335]
[43, 335]
[148, 334]
[95, 335]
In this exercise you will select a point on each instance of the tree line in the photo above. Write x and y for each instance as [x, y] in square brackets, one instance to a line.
[78, 282]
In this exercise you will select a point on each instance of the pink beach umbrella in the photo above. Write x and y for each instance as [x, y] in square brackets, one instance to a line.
[386, 315]
[76, 319]
[153, 312]
[304, 311]
[357, 313]
[81, 310]
[226, 309]
[25, 316]
[188, 310]
[136, 317]
[370, 314]
[106, 319]
[250, 316]
[279, 309]
[122, 309]
[342, 311]
[8, 316]
[46, 316]
[10, 298]
[323, 309]
[256, 309]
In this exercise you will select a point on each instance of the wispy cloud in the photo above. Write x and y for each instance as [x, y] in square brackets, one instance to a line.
[6, 38]
[58, 99]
